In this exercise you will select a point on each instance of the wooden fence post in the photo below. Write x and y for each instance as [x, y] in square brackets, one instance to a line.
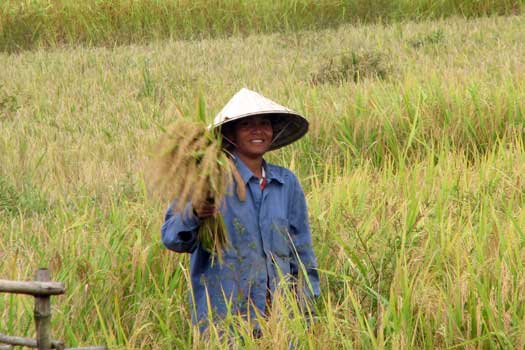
[42, 290]
[43, 313]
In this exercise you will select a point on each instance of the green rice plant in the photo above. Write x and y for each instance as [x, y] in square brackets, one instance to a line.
[414, 185]
[28, 200]
[354, 66]
[433, 38]
[47, 23]
[9, 104]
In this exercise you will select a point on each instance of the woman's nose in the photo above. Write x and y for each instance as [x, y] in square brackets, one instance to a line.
[256, 128]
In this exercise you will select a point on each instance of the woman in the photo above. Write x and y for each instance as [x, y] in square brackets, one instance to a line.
[268, 232]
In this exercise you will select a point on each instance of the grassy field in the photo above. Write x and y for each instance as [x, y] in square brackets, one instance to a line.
[413, 170]
[44, 23]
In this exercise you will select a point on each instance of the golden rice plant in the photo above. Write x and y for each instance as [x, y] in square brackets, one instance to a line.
[190, 166]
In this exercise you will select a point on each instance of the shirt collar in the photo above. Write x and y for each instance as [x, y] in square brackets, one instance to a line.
[247, 174]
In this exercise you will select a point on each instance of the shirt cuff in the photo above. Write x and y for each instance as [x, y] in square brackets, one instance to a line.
[188, 217]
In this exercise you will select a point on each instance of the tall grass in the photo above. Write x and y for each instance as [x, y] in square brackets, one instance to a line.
[39, 23]
[414, 185]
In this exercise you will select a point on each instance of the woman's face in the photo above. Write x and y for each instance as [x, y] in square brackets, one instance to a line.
[253, 136]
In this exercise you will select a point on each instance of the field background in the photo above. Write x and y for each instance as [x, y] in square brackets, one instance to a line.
[413, 166]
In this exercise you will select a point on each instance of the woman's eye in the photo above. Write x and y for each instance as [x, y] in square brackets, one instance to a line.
[253, 124]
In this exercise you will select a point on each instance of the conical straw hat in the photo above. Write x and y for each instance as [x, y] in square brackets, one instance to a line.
[288, 126]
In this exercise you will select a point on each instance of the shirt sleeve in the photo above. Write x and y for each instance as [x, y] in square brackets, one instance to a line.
[303, 260]
[179, 231]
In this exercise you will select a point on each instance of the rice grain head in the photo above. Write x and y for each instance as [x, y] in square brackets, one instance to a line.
[190, 166]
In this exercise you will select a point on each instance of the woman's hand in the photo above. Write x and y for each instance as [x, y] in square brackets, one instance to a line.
[205, 209]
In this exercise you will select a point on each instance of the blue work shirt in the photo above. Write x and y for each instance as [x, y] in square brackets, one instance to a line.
[270, 240]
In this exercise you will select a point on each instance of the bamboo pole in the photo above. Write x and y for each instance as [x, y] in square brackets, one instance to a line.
[18, 341]
[31, 343]
[43, 313]
[27, 342]
[41, 289]
[59, 345]
[32, 288]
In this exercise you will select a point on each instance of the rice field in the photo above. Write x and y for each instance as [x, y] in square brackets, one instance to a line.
[413, 170]
[30, 24]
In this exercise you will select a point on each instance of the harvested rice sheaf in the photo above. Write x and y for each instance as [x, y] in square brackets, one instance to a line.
[191, 166]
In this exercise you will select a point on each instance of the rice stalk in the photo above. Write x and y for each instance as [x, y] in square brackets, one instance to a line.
[239, 183]
[190, 166]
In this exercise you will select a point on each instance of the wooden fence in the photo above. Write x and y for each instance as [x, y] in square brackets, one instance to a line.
[42, 289]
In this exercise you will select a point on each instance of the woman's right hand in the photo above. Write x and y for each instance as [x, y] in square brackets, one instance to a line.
[205, 210]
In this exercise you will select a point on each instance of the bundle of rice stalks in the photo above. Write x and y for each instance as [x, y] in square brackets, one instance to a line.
[191, 167]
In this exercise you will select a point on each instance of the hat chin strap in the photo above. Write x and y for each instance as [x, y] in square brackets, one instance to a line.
[230, 141]
[226, 150]
[280, 133]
